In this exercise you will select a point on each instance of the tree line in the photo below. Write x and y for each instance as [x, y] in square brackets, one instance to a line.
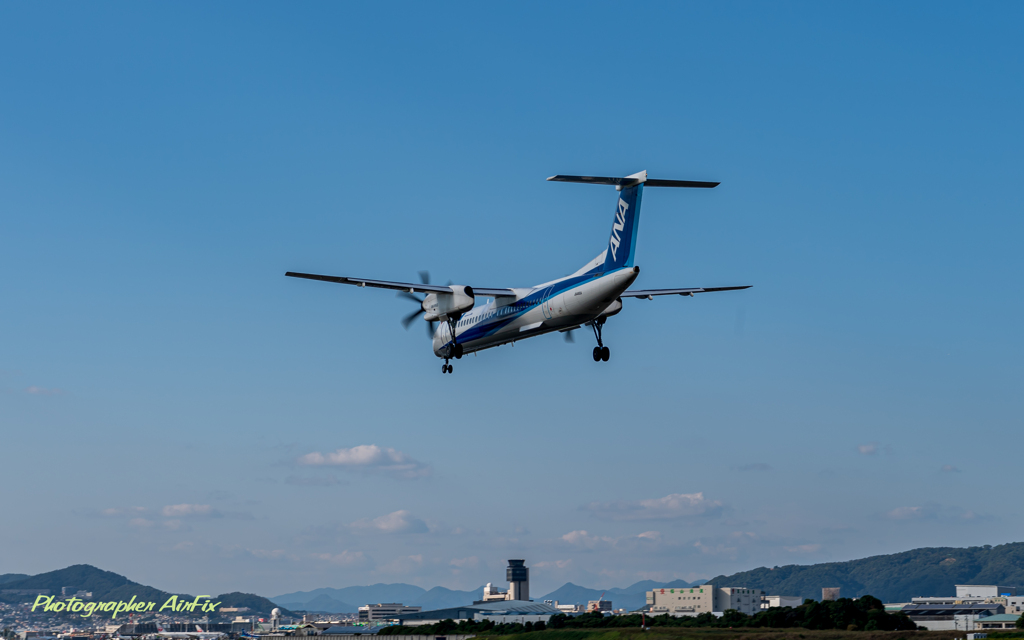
[866, 613]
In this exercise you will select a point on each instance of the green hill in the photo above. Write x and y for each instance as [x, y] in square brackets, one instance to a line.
[892, 578]
[106, 585]
[11, 577]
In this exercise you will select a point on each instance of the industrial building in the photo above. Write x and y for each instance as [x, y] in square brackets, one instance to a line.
[952, 617]
[770, 602]
[983, 591]
[999, 621]
[980, 594]
[707, 598]
[384, 611]
[498, 612]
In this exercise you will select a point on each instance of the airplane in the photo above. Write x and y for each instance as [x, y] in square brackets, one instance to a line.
[588, 297]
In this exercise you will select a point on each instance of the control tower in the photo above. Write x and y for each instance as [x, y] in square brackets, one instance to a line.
[518, 577]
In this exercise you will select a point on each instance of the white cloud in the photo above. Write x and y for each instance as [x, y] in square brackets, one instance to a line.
[933, 511]
[868, 449]
[118, 511]
[581, 538]
[557, 564]
[269, 554]
[403, 565]
[369, 457]
[910, 513]
[395, 522]
[465, 563]
[189, 510]
[345, 558]
[676, 505]
[948, 468]
[141, 523]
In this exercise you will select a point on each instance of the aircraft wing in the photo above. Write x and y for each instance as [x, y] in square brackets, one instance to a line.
[650, 293]
[398, 286]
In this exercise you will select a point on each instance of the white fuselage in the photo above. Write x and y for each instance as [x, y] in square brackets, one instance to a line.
[553, 306]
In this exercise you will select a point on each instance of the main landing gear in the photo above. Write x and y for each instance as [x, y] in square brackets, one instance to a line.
[601, 352]
[454, 350]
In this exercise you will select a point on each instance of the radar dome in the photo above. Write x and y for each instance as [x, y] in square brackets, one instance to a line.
[275, 612]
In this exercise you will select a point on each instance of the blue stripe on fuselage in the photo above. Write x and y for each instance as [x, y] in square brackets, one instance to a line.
[489, 326]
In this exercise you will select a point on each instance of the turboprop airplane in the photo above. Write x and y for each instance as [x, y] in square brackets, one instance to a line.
[586, 298]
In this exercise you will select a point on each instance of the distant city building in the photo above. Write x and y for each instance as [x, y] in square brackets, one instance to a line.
[493, 594]
[599, 605]
[497, 612]
[829, 593]
[384, 611]
[693, 601]
[770, 602]
[983, 591]
[999, 621]
[744, 600]
[952, 617]
[1015, 604]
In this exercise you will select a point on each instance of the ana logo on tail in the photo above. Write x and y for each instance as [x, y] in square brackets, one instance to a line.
[620, 222]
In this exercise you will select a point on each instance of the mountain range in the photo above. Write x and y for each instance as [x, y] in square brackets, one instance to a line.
[106, 586]
[348, 599]
[896, 577]
[892, 578]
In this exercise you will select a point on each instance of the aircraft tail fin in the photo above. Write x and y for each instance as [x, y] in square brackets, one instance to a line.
[622, 243]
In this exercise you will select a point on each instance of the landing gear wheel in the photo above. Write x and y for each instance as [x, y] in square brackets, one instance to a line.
[605, 353]
[444, 368]
[597, 354]
[449, 368]
[458, 352]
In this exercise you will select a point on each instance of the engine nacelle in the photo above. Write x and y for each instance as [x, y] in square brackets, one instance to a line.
[612, 309]
[438, 306]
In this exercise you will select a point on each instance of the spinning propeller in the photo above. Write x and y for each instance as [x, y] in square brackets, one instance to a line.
[409, 319]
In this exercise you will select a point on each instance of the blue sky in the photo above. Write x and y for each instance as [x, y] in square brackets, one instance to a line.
[162, 383]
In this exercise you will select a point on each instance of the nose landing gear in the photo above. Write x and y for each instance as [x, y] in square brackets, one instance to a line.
[601, 352]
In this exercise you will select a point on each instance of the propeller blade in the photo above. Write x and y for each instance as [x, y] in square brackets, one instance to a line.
[431, 328]
[425, 277]
[409, 296]
[569, 338]
[409, 319]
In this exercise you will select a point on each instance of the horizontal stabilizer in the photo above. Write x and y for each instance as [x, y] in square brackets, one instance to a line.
[636, 178]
